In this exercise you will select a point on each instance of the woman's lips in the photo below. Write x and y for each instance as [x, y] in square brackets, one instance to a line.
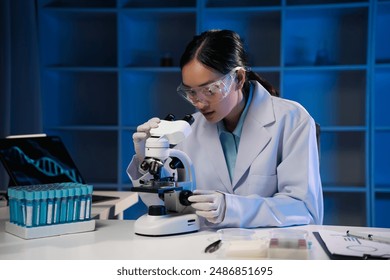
[207, 114]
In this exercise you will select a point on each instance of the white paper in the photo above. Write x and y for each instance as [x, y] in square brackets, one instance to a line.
[342, 244]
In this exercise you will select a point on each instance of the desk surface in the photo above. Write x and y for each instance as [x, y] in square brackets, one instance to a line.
[112, 208]
[115, 239]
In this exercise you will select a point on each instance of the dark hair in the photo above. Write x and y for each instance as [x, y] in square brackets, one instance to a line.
[222, 50]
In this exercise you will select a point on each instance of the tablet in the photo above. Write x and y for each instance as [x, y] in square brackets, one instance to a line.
[34, 160]
[38, 160]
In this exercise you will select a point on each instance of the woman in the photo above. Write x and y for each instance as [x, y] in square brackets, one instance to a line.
[255, 154]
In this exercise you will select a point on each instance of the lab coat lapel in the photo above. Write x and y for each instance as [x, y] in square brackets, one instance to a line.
[254, 136]
[216, 155]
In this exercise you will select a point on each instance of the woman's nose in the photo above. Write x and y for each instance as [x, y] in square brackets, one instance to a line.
[200, 105]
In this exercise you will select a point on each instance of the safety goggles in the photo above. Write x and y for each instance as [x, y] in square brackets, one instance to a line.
[209, 94]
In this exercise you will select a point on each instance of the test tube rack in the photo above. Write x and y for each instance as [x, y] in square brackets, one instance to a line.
[50, 209]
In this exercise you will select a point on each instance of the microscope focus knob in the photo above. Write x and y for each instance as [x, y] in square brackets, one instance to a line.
[183, 197]
[189, 118]
[157, 210]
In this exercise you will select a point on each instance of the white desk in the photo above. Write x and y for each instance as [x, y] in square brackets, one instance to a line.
[115, 240]
[111, 209]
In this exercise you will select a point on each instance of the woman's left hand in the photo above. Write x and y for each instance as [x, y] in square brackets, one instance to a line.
[209, 204]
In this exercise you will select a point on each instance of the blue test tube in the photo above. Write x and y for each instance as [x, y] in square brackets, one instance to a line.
[18, 206]
[36, 207]
[43, 213]
[22, 207]
[29, 198]
[83, 202]
[57, 205]
[50, 206]
[13, 210]
[88, 202]
[76, 211]
[64, 204]
[70, 202]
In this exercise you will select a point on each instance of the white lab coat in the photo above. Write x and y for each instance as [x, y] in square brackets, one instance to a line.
[276, 180]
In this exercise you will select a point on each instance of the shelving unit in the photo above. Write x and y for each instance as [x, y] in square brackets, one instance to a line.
[108, 66]
[380, 181]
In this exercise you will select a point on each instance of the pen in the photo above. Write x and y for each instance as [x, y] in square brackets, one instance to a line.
[213, 246]
[368, 236]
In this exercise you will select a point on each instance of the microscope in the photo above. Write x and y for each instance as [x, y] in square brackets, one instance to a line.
[170, 175]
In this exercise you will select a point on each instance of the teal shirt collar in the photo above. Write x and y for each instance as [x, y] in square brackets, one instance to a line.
[237, 131]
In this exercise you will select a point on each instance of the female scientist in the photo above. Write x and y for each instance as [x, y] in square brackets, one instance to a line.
[255, 155]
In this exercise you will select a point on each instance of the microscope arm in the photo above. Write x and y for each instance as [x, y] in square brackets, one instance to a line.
[189, 183]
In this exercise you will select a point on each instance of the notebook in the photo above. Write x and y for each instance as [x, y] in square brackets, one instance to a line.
[32, 160]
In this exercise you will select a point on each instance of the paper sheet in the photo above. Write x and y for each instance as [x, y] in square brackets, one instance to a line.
[342, 244]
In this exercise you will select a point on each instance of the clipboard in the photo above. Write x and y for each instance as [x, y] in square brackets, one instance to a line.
[340, 255]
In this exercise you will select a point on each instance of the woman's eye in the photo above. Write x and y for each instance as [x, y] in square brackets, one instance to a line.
[215, 89]
[191, 93]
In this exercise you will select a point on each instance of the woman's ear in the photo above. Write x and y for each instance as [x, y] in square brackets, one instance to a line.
[240, 79]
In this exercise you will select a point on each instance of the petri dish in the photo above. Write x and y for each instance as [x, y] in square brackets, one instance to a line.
[231, 234]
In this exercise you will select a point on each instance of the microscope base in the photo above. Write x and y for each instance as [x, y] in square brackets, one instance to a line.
[169, 224]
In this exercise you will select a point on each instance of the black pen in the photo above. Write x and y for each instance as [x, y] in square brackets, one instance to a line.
[368, 236]
[213, 246]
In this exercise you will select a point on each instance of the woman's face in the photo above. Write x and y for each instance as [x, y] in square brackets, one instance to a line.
[195, 74]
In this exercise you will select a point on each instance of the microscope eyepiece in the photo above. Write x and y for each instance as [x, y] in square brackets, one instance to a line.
[189, 118]
[170, 117]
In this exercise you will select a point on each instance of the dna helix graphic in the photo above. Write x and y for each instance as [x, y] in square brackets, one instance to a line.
[45, 165]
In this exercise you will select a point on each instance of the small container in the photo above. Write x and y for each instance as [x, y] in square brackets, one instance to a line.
[88, 202]
[36, 207]
[77, 202]
[43, 202]
[50, 206]
[57, 205]
[64, 205]
[70, 202]
[13, 212]
[83, 202]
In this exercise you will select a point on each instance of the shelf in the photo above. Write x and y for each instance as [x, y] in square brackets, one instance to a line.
[262, 53]
[382, 188]
[321, 4]
[84, 128]
[382, 37]
[154, 37]
[81, 69]
[348, 214]
[343, 159]
[158, 92]
[173, 4]
[156, 69]
[326, 36]
[381, 158]
[81, 97]
[344, 189]
[80, 4]
[343, 128]
[382, 205]
[249, 4]
[327, 94]
[64, 41]
[382, 85]
[94, 153]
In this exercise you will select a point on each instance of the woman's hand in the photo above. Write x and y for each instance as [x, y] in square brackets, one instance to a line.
[209, 204]
[139, 137]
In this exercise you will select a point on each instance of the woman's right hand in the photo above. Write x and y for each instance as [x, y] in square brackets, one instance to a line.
[140, 136]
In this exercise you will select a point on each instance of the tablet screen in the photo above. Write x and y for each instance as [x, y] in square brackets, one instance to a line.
[38, 160]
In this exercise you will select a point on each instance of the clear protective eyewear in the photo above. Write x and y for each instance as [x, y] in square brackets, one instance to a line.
[211, 93]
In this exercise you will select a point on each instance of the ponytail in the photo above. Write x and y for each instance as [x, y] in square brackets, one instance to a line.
[250, 75]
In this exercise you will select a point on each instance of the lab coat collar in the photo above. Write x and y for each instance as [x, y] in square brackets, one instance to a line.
[254, 137]
[216, 155]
